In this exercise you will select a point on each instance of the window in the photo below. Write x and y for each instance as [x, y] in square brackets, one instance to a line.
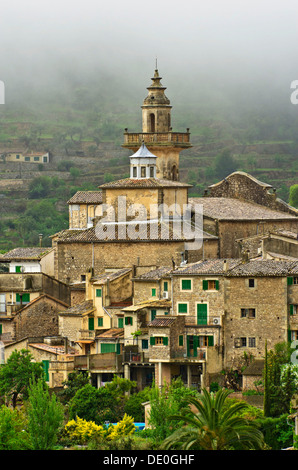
[182, 308]
[17, 157]
[242, 342]
[107, 348]
[153, 314]
[295, 280]
[91, 324]
[143, 172]
[210, 284]
[25, 298]
[180, 340]
[251, 283]
[45, 366]
[292, 280]
[202, 314]
[153, 292]
[165, 286]
[159, 341]
[128, 321]
[151, 172]
[100, 321]
[18, 269]
[144, 343]
[248, 313]
[27, 159]
[134, 171]
[45, 159]
[186, 284]
[293, 309]
[36, 159]
[98, 292]
[251, 342]
[120, 322]
[83, 277]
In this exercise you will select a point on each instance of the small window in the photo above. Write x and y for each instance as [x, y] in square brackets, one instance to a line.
[134, 171]
[45, 159]
[128, 321]
[83, 277]
[153, 314]
[91, 324]
[210, 284]
[186, 284]
[151, 172]
[120, 322]
[27, 159]
[243, 342]
[17, 157]
[153, 292]
[180, 340]
[159, 341]
[36, 159]
[293, 309]
[18, 269]
[98, 292]
[251, 283]
[251, 342]
[100, 321]
[248, 313]
[144, 343]
[143, 172]
[165, 286]
[295, 280]
[182, 308]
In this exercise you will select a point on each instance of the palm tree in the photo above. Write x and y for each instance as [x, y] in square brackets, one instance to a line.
[215, 425]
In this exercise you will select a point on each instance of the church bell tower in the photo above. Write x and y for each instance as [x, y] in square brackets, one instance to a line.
[157, 133]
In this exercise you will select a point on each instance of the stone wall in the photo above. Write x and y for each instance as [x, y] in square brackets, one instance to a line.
[38, 319]
[269, 299]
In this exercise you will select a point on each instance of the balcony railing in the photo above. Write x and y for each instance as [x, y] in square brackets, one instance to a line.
[200, 355]
[108, 362]
[138, 357]
[157, 137]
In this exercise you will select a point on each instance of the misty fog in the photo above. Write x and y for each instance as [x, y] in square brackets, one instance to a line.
[213, 54]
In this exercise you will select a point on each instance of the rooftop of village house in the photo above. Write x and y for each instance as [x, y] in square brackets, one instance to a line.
[86, 197]
[144, 183]
[30, 253]
[223, 208]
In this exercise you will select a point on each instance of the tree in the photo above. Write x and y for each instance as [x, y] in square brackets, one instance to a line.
[214, 426]
[293, 200]
[13, 435]
[45, 416]
[16, 374]
[75, 381]
[224, 164]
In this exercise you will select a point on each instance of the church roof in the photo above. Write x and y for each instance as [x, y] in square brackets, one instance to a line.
[144, 183]
[143, 152]
[86, 197]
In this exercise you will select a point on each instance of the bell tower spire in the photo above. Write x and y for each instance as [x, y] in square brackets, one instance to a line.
[157, 131]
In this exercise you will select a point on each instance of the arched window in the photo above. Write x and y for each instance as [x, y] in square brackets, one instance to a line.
[152, 122]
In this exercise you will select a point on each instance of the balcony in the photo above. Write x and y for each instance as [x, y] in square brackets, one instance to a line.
[87, 335]
[191, 356]
[108, 362]
[134, 139]
[135, 357]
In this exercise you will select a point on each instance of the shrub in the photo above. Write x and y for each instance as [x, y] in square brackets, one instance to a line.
[80, 431]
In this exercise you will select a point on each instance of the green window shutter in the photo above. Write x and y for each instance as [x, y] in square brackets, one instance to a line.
[182, 308]
[153, 314]
[202, 314]
[205, 284]
[18, 269]
[165, 286]
[144, 343]
[120, 322]
[107, 348]
[165, 341]
[195, 345]
[91, 324]
[25, 298]
[152, 341]
[98, 292]
[186, 284]
[217, 285]
[291, 309]
[210, 341]
[289, 335]
[153, 292]
[0, 329]
[100, 321]
[128, 321]
[290, 281]
[45, 366]
[118, 348]
[166, 313]
[180, 340]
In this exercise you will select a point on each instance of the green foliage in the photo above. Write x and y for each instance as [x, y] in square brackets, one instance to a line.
[134, 407]
[75, 381]
[16, 374]
[277, 432]
[164, 403]
[45, 416]
[293, 197]
[13, 435]
[224, 164]
[214, 425]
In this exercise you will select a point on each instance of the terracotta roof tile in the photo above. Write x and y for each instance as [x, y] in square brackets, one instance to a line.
[86, 197]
